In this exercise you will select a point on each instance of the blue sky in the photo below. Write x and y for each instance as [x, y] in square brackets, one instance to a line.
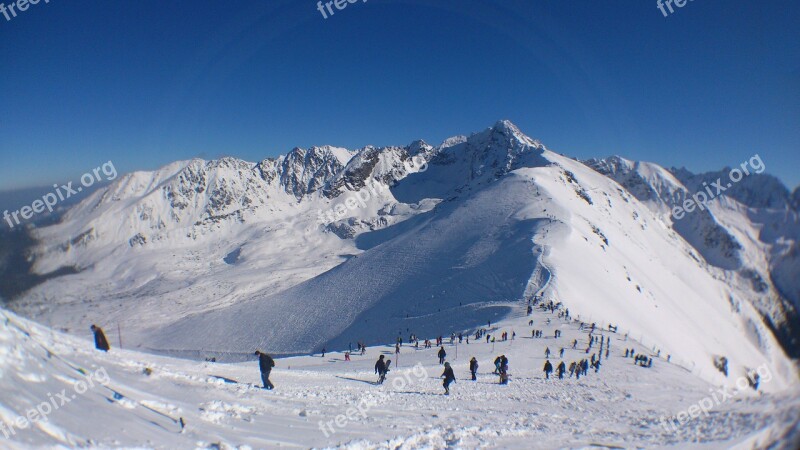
[148, 82]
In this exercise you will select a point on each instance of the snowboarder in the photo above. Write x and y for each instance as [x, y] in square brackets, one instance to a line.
[265, 363]
[548, 369]
[100, 341]
[449, 377]
[473, 368]
[442, 355]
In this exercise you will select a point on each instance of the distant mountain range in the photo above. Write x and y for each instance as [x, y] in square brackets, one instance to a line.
[219, 257]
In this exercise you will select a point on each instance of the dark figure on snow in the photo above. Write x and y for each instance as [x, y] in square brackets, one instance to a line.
[265, 363]
[442, 355]
[548, 369]
[547, 352]
[473, 368]
[561, 353]
[572, 368]
[381, 368]
[100, 341]
[497, 363]
[574, 344]
[449, 377]
[561, 369]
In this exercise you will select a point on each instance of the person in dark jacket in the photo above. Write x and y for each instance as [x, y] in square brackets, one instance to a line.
[449, 377]
[265, 363]
[100, 341]
[473, 368]
[380, 369]
[442, 354]
[548, 369]
[561, 369]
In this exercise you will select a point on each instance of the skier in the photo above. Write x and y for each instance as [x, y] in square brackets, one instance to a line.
[548, 368]
[100, 341]
[265, 363]
[561, 369]
[442, 354]
[380, 369]
[449, 377]
[473, 368]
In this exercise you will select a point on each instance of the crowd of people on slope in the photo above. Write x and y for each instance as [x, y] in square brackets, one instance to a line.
[382, 366]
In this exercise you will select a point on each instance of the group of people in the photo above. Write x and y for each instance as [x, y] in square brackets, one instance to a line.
[382, 365]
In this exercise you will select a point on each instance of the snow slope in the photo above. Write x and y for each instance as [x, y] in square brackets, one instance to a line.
[142, 399]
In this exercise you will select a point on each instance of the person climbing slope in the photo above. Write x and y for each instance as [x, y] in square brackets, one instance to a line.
[449, 377]
[265, 363]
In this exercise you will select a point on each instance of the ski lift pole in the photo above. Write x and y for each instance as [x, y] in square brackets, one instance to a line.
[119, 335]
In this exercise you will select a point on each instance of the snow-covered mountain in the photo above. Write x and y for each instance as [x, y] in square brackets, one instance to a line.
[324, 247]
[752, 231]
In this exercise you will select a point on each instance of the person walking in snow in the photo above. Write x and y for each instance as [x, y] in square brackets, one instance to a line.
[561, 352]
[380, 369]
[548, 369]
[547, 352]
[441, 355]
[574, 344]
[561, 369]
[265, 364]
[449, 377]
[100, 341]
[473, 368]
[572, 368]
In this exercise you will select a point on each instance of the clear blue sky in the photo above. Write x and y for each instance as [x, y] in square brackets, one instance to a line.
[146, 82]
